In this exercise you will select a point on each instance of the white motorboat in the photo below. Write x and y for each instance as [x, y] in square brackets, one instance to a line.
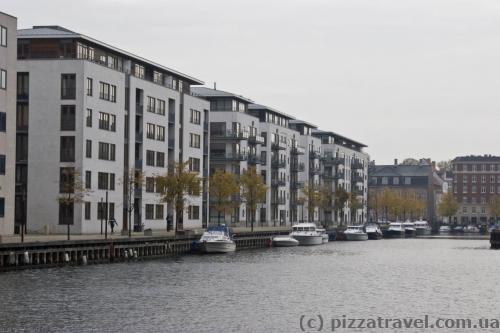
[355, 233]
[444, 229]
[323, 234]
[422, 228]
[410, 230]
[285, 241]
[217, 239]
[396, 230]
[471, 229]
[373, 231]
[306, 234]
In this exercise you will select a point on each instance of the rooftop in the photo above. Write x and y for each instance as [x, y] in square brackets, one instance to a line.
[478, 158]
[320, 133]
[302, 122]
[55, 31]
[400, 170]
[267, 108]
[208, 92]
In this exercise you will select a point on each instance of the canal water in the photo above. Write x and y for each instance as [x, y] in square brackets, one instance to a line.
[267, 290]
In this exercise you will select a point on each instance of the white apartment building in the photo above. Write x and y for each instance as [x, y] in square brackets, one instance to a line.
[344, 163]
[105, 113]
[8, 51]
[308, 169]
[235, 145]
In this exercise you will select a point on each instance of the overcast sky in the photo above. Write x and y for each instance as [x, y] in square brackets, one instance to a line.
[417, 78]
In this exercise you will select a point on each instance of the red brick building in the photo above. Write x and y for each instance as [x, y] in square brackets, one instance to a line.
[476, 181]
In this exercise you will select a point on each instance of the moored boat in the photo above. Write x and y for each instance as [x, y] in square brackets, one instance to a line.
[323, 234]
[410, 230]
[395, 230]
[373, 231]
[217, 239]
[422, 228]
[444, 229]
[355, 233]
[306, 234]
[285, 241]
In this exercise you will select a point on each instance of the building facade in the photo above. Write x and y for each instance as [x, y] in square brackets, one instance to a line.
[418, 180]
[344, 164]
[90, 109]
[476, 181]
[8, 51]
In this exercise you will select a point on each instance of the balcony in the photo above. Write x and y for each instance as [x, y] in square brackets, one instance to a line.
[171, 144]
[297, 167]
[277, 164]
[216, 156]
[314, 170]
[296, 185]
[205, 149]
[256, 140]
[278, 145]
[138, 164]
[357, 191]
[332, 160]
[278, 200]
[205, 126]
[171, 116]
[278, 182]
[138, 137]
[357, 179]
[356, 165]
[139, 108]
[229, 135]
[314, 154]
[254, 159]
[298, 150]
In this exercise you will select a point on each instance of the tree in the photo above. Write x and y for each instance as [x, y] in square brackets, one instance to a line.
[253, 191]
[354, 204]
[312, 198]
[132, 181]
[340, 199]
[444, 165]
[325, 200]
[72, 189]
[175, 186]
[494, 207]
[448, 206]
[222, 186]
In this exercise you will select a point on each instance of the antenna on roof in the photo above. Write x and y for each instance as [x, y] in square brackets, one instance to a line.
[215, 85]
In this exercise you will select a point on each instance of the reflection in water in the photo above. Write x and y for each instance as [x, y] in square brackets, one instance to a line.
[257, 291]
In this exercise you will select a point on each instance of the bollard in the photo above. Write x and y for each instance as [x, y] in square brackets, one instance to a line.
[135, 254]
[26, 258]
[131, 252]
[66, 257]
[84, 260]
[12, 258]
[125, 254]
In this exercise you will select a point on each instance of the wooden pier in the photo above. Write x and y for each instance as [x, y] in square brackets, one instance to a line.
[82, 252]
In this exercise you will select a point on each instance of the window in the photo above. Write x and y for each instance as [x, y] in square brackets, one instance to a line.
[3, 37]
[67, 153]
[2, 164]
[101, 210]
[395, 181]
[102, 180]
[474, 189]
[160, 133]
[407, 180]
[88, 179]
[159, 212]
[150, 184]
[483, 210]
[474, 178]
[23, 85]
[483, 179]
[88, 149]
[157, 77]
[195, 117]
[139, 71]
[65, 213]
[87, 211]
[161, 106]
[194, 164]
[464, 209]
[150, 211]
[104, 121]
[66, 180]
[3, 122]
[150, 158]
[3, 79]
[113, 94]
[194, 212]
[385, 180]
[492, 189]
[22, 117]
[88, 118]
[150, 131]
[483, 189]
[107, 92]
[90, 84]
[194, 141]
[67, 117]
[107, 151]
[160, 159]
[492, 179]
[111, 213]
[151, 107]
[2, 207]
[68, 86]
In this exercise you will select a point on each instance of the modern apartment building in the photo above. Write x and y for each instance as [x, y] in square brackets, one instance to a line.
[345, 164]
[89, 108]
[235, 143]
[8, 50]
[305, 169]
[476, 181]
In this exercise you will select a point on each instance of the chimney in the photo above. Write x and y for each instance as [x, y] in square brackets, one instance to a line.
[215, 85]
[395, 161]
